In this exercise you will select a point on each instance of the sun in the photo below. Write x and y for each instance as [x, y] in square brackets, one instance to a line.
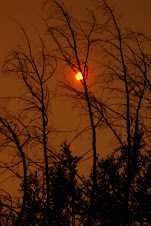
[79, 76]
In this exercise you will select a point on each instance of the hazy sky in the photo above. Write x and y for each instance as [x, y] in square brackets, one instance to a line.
[137, 13]
[28, 12]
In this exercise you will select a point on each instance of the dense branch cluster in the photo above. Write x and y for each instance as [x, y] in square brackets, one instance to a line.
[116, 99]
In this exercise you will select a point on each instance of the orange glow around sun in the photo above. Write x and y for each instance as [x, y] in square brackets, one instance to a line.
[79, 76]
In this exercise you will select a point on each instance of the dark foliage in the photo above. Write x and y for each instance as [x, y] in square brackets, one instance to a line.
[52, 191]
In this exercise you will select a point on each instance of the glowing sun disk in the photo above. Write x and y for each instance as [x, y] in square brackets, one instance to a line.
[79, 76]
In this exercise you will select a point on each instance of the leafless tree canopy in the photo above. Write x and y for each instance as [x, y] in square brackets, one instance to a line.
[116, 99]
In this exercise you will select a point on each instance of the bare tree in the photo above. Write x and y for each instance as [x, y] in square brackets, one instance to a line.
[119, 101]
[14, 137]
[73, 47]
[126, 84]
[34, 69]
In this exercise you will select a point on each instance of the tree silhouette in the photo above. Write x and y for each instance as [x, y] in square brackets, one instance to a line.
[52, 190]
[34, 71]
[70, 39]
[127, 81]
[66, 193]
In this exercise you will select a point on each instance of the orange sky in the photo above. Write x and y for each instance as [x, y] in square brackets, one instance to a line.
[136, 12]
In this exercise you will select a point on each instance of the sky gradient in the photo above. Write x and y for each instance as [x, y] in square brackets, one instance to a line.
[28, 13]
